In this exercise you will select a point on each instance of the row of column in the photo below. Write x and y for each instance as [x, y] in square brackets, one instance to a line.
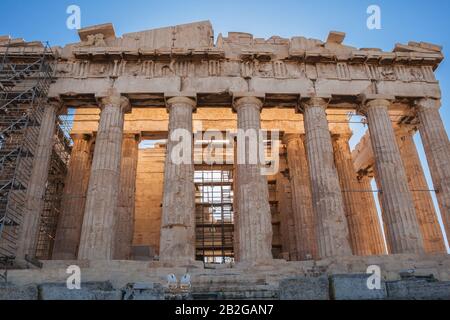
[325, 176]
[97, 215]
[411, 222]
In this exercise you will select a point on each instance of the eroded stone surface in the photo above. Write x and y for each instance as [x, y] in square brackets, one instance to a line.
[303, 288]
[11, 292]
[354, 287]
[88, 291]
[418, 289]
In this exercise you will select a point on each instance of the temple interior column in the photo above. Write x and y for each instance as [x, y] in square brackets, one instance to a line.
[73, 200]
[376, 244]
[383, 213]
[304, 220]
[124, 225]
[398, 207]
[433, 240]
[328, 206]
[177, 244]
[97, 235]
[287, 224]
[437, 149]
[355, 211]
[34, 198]
[255, 220]
[235, 205]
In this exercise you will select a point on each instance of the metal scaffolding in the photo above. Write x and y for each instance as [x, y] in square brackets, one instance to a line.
[53, 193]
[214, 215]
[26, 73]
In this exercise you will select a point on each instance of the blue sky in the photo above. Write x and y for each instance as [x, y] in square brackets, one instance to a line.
[402, 21]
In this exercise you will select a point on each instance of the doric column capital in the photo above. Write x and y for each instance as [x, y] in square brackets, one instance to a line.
[373, 101]
[321, 102]
[343, 137]
[248, 101]
[290, 137]
[427, 104]
[132, 135]
[58, 105]
[181, 100]
[81, 136]
[405, 130]
[115, 99]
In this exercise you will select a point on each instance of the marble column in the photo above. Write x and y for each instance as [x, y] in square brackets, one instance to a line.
[328, 205]
[255, 219]
[398, 207]
[235, 205]
[383, 214]
[177, 245]
[34, 197]
[372, 223]
[433, 239]
[124, 226]
[437, 149]
[287, 225]
[97, 234]
[355, 211]
[304, 219]
[73, 200]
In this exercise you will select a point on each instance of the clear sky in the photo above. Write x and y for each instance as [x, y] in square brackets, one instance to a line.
[402, 21]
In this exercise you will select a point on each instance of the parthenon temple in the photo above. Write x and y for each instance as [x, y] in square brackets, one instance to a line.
[88, 177]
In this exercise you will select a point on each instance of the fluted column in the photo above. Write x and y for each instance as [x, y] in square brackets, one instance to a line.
[433, 240]
[235, 205]
[328, 206]
[287, 224]
[304, 220]
[68, 231]
[177, 244]
[97, 235]
[34, 198]
[255, 220]
[437, 149]
[124, 226]
[398, 207]
[372, 223]
[383, 214]
[355, 210]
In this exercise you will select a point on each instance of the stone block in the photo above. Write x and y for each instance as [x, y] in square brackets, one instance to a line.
[304, 288]
[354, 287]
[144, 291]
[336, 37]
[88, 291]
[418, 289]
[12, 292]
